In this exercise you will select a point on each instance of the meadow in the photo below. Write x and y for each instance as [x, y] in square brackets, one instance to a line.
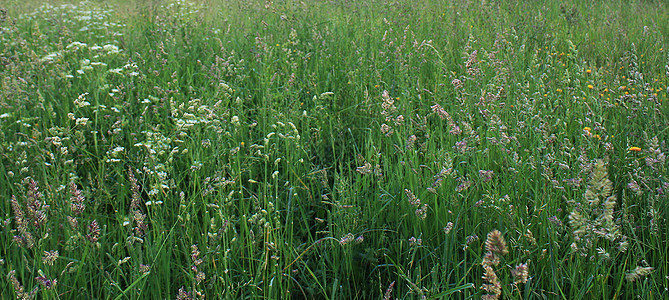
[380, 149]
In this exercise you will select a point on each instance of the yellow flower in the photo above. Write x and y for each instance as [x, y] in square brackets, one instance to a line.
[635, 149]
[588, 71]
[590, 86]
[559, 90]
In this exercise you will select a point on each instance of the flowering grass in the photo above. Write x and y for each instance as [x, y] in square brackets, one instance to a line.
[334, 150]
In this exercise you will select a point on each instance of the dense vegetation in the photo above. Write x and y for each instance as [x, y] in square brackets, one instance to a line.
[334, 149]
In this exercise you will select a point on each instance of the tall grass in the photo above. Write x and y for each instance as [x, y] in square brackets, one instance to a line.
[334, 149]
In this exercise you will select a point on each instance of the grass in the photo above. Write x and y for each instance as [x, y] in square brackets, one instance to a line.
[334, 150]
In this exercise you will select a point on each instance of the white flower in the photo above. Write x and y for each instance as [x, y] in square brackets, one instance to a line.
[111, 49]
[82, 121]
[51, 57]
[76, 45]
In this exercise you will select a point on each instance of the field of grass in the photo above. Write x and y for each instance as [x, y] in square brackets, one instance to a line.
[346, 149]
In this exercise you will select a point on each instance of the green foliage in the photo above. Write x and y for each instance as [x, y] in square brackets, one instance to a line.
[334, 150]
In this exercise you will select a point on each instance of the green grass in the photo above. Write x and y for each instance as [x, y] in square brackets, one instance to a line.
[334, 149]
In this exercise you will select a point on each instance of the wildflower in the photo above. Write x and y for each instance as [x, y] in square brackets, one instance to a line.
[448, 228]
[413, 200]
[18, 288]
[346, 239]
[464, 184]
[490, 259]
[486, 175]
[144, 268]
[377, 170]
[73, 222]
[195, 255]
[93, 231]
[495, 243]
[440, 111]
[385, 129]
[588, 71]
[20, 221]
[422, 212]
[200, 276]
[183, 294]
[389, 291]
[399, 120]
[123, 260]
[520, 273]
[587, 131]
[471, 238]
[77, 200]
[365, 169]
[638, 272]
[555, 220]
[413, 241]
[457, 83]
[76, 45]
[635, 149]
[411, 141]
[590, 86]
[81, 121]
[46, 283]
[593, 218]
[493, 286]
[461, 146]
[49, 257]
[81, 101]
